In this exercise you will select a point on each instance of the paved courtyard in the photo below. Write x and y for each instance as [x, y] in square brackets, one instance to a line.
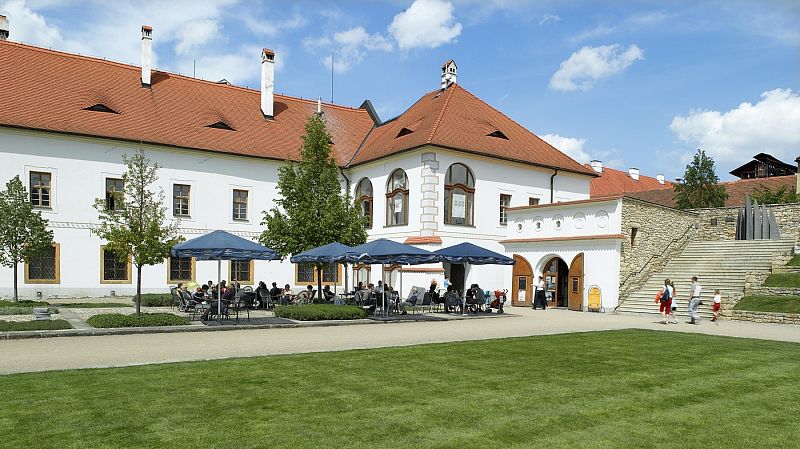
[44, 354]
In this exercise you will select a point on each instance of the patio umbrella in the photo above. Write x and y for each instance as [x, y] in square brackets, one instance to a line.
[473, 254]
[468, 253]
[219, 246]
[331, 253]
[384, 251]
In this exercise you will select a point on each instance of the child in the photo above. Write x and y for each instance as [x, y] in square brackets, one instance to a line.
[717, 304]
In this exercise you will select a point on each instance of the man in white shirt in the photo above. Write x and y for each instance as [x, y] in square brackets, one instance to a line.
[694, 302]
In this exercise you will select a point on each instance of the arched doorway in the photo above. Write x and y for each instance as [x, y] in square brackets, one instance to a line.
[522, 283]
[556, 275]
[576, 283]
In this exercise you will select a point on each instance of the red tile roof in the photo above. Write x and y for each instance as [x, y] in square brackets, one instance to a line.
[454, 118]
[617, 182]
[434, 240]
[736, 190]
[48, 90]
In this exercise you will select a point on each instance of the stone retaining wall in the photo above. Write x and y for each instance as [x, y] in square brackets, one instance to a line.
[720, 223]
[772, 291]
[658, 228]
[766, 317]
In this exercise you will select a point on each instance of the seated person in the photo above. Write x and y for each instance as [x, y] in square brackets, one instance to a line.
[327, 294]
[205, 288]
[286, 295]
[451, 300]
[434, 291]
[411, 301]
[275, 293]
[199, 294]
[306, 296]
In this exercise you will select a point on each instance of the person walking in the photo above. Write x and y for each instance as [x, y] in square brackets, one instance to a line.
[664, 300]
[694, 302]
[717, 305]
[673, 304]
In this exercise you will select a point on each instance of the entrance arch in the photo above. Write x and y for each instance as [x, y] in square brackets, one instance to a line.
[575, 296]
[555, 273]
[522, 281]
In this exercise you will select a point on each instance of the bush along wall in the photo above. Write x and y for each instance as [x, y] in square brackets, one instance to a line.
[106, 320]
[320, 312]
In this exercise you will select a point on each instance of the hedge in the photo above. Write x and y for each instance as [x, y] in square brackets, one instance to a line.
[24, 303]
[319, 312]
[156, 300]
[106, 320]
[94, 305]
[34, 325]
[24, 307]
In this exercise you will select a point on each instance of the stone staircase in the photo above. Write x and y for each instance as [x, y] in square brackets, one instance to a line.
[717, 264]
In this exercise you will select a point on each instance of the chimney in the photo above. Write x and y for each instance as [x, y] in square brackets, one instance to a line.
[147, 54]
[319, 105]
[267, 81]
[449, 72]
[597, 166]
[660, 178]
[3, 28]
[634, 173]
[797, 176]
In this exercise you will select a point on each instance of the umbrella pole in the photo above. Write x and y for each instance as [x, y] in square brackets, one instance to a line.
[219, 292]
[400, 293]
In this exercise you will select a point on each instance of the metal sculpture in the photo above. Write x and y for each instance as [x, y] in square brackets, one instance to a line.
[756, 222]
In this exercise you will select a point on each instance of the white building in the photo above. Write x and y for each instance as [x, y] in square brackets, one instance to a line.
[449, 169]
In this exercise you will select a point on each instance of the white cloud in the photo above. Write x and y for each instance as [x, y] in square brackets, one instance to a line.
[349, 47]
[29, 27]
[772, 125]
[549, 18]
[192, 35]
[271, 28]
[571, 146]
[589, 64]
[358, 36]
[426, 24]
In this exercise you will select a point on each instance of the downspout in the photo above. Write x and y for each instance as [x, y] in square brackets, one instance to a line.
[552, 183]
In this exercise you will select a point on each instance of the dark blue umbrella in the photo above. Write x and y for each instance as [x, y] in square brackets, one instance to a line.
[219, 246]
[330, 253]
[472, 254]
[383, 251]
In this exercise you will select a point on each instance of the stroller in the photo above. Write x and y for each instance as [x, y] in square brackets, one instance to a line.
[497, 302]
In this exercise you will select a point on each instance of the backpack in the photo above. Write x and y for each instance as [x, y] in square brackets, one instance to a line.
[665, 294]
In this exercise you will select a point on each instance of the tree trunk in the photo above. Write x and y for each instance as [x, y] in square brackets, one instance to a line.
[138, 290]
[16, 275]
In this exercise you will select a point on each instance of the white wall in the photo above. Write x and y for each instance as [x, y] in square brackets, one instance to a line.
[80, 166]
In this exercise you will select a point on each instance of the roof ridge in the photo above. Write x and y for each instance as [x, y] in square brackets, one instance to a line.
[757, 179]
[441, 113]
[130, 66]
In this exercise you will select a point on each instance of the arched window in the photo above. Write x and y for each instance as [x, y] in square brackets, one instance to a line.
[459, 195]
[397, 199]
[364, 196]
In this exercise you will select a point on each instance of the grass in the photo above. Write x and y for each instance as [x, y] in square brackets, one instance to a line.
[780, 304]
[23, 307]
[789, 280]
[94, 305]
[6, 326]
[795, 262]
[624, 389]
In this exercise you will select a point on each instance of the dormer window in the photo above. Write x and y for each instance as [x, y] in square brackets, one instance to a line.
[404, 132]
[499, 134]
[99, 107]
[221, 125]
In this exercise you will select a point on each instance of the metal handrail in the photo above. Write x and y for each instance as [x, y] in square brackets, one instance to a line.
[653, 257]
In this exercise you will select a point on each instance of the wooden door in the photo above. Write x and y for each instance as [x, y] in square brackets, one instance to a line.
[522, 281]
[575, 285]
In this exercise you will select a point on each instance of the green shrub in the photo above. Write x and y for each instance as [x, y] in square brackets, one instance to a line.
[24, 303]
[318, 312]
[789, 280]
[94, 305]
[779, 304]
[157, 300]
[795, 262]
[34, 325]
[106, 320]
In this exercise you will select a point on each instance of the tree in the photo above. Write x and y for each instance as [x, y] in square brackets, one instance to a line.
[134, 226]
[311, 210]
[700, 186]
[23, 231]
[764, 195]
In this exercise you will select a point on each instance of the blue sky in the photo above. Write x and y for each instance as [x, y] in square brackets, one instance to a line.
[633, 83]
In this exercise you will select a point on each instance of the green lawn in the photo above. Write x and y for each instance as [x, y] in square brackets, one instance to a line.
[791, 280]
[795, 262]
[622, 389]
[782, 304]
[6, 326]
[94, 305]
